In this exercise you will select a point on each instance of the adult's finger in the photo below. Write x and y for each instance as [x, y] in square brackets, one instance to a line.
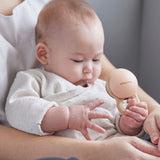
[150, 126]
[146, 147]
[130, 147]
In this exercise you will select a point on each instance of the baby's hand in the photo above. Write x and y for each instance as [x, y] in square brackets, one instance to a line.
[133, 118]
[80, 117]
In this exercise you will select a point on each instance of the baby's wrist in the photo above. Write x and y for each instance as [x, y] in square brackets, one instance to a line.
[72, 115]
[67, 116]
[56, 119]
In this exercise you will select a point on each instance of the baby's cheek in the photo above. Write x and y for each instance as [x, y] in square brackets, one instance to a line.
[75, 75]
[96, 73]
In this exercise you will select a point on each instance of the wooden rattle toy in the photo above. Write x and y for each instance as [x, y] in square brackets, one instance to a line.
[122, 85]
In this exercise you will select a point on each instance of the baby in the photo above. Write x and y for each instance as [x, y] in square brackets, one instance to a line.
[65, 97]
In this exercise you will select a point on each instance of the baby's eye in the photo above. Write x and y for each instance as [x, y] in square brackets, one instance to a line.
[96, 60]
[77, 61]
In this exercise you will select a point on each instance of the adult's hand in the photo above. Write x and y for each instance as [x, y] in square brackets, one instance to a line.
[118, 148]
[152, 126]
[127, 148]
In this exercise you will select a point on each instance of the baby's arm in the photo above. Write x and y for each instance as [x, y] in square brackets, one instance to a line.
[132, 120]
[76, 117]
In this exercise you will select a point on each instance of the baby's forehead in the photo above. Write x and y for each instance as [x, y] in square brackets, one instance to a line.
[60, 14]
[60, 11]
[81, 54]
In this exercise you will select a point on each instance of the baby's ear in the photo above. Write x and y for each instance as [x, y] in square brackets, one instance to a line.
[42, 53]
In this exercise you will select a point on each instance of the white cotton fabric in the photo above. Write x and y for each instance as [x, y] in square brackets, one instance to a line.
[35, 91]
[17, 45]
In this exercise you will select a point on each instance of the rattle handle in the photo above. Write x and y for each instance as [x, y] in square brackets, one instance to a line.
[137, 98]
[120, 104]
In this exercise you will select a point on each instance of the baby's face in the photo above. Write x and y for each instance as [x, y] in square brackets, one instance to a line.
[76, 54]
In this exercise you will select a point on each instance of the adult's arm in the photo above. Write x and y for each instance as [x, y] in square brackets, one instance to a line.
[107, 67]
[152, 123]
[17, 145]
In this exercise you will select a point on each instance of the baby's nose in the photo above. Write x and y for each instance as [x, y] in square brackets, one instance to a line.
[88, 68]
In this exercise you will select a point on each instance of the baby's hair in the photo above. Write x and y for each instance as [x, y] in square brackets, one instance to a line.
[56, 12]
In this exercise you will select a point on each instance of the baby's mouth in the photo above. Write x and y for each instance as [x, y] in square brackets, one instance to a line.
[83, 83]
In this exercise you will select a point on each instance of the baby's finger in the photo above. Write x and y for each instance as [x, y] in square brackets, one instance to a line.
[142, 105]
[131, 102]
[97, 115]
[86, 134]
[140, 110]
[95, 104]
[138, 117]
[95, 127]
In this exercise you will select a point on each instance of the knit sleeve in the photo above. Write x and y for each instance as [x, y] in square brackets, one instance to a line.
[25, 108]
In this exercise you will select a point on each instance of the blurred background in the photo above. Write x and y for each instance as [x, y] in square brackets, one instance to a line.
[132, 38]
